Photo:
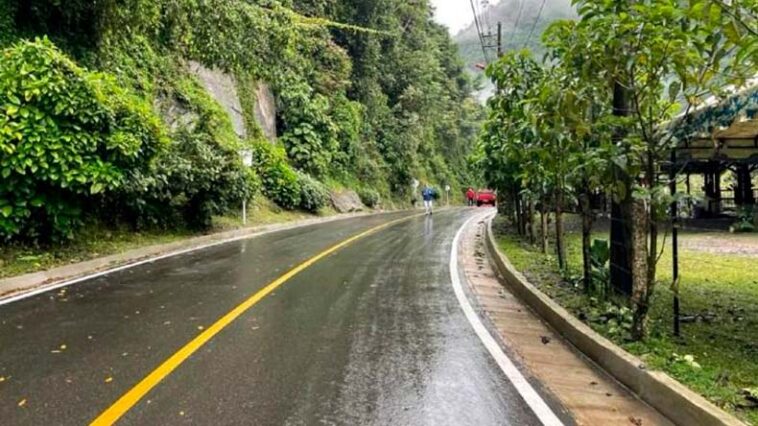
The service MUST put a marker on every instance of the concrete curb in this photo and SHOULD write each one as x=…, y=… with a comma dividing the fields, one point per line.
x=35, y=282
x=672, y=399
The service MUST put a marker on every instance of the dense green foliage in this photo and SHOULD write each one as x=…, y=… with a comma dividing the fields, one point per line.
x=369, y=197
x=67, y=134
x=280, y=181
x=409, y=110
x=313, y=194
x=369, y=92
x=552, y=136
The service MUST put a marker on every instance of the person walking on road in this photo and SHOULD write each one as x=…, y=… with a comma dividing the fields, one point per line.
x=428, y=194
x=470, y=196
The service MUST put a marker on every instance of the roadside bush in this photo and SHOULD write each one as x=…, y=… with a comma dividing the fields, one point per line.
x=66, y=135
x=279, y=181
x=313, y=194
x=309, y=134
x=195, y=180
x=369, y=197
x=199, y=176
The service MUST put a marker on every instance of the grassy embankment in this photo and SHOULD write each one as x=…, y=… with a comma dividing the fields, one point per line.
x=96, y=241
x=717, y=353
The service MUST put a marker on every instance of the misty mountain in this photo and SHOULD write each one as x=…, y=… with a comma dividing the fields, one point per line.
x=518, y=17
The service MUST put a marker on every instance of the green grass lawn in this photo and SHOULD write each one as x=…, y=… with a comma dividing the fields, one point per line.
x=719, y=294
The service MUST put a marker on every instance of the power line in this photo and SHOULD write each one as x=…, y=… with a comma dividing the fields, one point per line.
x=479, y=31
x=539, y=14
x=518, y=19
x=486, y=12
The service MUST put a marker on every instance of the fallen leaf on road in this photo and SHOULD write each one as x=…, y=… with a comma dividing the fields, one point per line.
x=635, y=421
x=545, y=340
x=22, y=402
x=2, y=379
x=108, y=379
x=63, y=347
x=200, y=327
x=181, y=413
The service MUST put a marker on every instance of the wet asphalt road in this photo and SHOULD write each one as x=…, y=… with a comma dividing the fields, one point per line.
x=371, y=334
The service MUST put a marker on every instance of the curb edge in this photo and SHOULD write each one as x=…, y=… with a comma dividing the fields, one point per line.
x=671, y=398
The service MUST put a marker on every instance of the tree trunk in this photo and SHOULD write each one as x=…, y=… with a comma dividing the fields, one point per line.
x=621, y=206
x=646, y=230
x=530, y=220
x=519, y=219
x=560, y=244
x=543, y=226
x=514, y=209
x=586, y=237
x=642, y=287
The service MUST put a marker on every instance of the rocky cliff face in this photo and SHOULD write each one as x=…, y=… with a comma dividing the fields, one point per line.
x=223, y=88
x=265, y=111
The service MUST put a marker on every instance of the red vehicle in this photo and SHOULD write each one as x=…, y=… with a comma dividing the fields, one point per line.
x=486, y=196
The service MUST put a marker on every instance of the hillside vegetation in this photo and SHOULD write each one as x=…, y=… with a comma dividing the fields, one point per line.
x=103, y=121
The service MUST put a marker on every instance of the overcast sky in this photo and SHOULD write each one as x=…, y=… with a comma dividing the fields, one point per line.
x=456, y=14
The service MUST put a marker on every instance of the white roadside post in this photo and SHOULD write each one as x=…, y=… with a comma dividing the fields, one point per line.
x=447, y=195
x=415, y=185
x=247, y=161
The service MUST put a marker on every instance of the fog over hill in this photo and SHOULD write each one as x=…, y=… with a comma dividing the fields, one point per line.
x=518, y=17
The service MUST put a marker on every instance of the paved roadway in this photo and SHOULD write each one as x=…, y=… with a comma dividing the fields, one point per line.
x=370, y=334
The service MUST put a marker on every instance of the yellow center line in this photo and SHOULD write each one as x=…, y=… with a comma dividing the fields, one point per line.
x=135, y=394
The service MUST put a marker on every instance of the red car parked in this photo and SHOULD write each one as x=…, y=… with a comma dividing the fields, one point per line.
x=486, y=196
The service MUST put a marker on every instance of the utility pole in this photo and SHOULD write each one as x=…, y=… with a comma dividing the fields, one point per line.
x=499, y=39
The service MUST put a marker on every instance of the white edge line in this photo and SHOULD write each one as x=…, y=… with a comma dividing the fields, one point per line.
x=524, y=388
x=45, y=289
x=66, y=283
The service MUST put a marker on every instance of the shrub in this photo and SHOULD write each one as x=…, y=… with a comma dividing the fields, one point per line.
x=195, y=180
x=279, y=181
x=745, y=220
x=66, y=135
x=309, y=134
x=313, y=194
x=199, y=176
x=369, y=197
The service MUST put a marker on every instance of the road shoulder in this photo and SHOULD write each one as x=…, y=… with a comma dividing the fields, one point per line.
x=588, y=393
x=26, y=285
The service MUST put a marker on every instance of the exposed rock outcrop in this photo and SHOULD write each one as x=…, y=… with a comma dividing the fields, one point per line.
x=265, y=111
x=346, y=201
x=223, y=88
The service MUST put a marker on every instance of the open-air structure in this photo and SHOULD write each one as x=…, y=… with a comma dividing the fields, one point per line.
x=718, y=138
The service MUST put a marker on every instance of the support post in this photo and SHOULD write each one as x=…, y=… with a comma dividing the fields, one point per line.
x=244, y=212
x=674, y=242
x=499, y=39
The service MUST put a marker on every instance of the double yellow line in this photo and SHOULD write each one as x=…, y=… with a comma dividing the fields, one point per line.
x=135, y=394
